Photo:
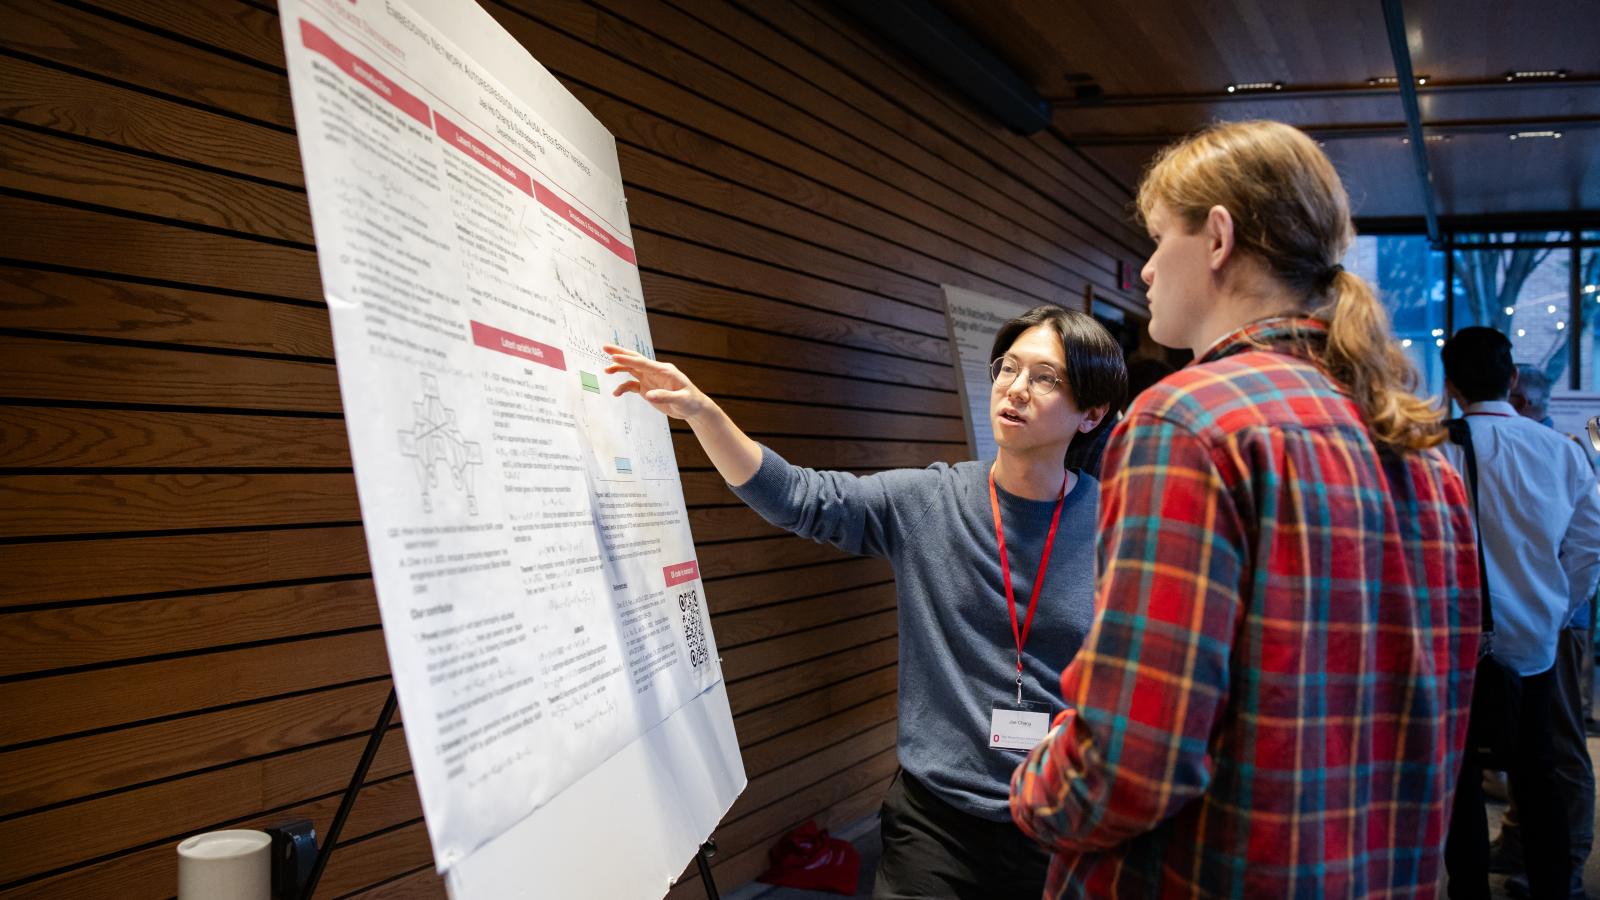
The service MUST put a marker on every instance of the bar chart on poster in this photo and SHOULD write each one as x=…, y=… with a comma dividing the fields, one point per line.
x=537, y=581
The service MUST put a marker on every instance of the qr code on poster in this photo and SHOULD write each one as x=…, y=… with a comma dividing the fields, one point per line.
x=694, y=631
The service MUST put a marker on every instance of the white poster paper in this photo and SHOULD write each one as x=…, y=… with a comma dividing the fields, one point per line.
x=536, y=577
x=1570, y=412
x=972, y=320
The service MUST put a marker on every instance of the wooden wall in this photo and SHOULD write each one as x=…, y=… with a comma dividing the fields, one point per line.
x=188, y=633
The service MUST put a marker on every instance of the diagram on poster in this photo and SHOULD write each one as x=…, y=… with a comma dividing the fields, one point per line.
x=539, y=589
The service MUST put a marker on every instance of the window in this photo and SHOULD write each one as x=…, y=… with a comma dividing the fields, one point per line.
x=1589, y=313
x=1520, y=284
x=1409, y=279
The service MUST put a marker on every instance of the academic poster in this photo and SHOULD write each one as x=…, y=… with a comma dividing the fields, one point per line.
x=538, y=586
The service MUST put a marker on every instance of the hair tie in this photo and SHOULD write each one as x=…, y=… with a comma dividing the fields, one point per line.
x=1329, y=275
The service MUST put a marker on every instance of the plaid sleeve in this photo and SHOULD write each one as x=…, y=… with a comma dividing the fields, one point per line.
x=1146, y=689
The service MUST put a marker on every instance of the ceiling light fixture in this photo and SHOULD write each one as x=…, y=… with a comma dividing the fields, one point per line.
x=1536, y=74
x=1392, y=80
x=1242, y=87
x=1526, y=135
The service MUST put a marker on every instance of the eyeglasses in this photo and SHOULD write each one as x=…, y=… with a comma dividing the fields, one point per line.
x=1042, y=379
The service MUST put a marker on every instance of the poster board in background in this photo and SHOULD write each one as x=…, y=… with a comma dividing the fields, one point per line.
x=542, y=607
x=972, y=319
x=1570, y=413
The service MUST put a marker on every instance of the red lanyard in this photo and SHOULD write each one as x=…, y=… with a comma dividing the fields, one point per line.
x=1021, y=635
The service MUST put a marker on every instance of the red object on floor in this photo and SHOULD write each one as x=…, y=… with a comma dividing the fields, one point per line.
x=807, y=858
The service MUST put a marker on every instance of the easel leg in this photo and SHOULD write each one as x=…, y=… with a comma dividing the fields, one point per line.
x=703, y=860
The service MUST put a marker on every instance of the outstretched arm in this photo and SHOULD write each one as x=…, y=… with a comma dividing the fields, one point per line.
x=664, y=387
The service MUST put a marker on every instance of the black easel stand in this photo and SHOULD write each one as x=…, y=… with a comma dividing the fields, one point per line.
x=325, y=846
x=703, y=860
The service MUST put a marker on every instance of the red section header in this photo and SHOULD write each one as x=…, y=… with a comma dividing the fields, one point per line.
x=678, y=573
x=318, y=41
x=517, y=345
x=583, y=223
x=471, y=146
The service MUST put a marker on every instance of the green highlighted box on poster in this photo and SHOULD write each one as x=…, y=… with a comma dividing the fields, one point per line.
x=591, y=381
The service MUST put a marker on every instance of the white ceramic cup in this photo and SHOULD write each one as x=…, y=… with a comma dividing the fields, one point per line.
x=225, y=865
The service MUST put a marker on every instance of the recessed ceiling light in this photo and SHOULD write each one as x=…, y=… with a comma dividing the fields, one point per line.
x=1391, y=80
x=1249, y=86
x=1522, y=332
x=1511, y=310
x=1536, y=74
x=1406, y=342
x=1526, y=135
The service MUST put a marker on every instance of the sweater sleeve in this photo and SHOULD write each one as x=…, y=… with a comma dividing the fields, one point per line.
x=857, y=514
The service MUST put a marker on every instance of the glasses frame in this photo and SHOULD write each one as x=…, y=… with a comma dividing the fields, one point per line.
x=1033, y=388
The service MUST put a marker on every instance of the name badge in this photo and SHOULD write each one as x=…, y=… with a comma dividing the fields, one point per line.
x=1018, y=726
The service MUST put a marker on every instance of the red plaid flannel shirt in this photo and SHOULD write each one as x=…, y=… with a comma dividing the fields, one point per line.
x=1273, y=699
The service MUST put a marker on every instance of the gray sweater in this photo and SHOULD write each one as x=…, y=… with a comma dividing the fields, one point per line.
x=957, y=653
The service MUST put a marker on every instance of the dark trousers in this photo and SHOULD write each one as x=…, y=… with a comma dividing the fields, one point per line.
x=1574, y=773
x=933, y=850
x=1540, y=804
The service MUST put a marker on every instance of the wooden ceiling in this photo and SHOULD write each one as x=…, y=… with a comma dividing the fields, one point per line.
x=1128, y=78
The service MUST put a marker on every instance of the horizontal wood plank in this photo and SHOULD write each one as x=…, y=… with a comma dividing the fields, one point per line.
x=59, y=505
x=68, y=636
x=67, y=704
x=70, y=103
x=83, y=40
x=121, y=567
x=73, y=170
x=817, y=703
x=61, y=437
x=84, y=239
x=60, y=771
x=64, y=303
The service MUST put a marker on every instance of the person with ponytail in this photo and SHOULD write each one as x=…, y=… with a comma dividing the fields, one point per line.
x=1272, y=700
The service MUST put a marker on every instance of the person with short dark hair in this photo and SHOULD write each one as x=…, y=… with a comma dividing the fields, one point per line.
x=1538, y=517
x=994, y=573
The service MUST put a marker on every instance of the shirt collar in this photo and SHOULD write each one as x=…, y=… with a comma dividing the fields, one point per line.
x=1491, y=408
x=1296, y=335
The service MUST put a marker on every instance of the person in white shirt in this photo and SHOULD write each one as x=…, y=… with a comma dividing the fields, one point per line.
x=1539, y=523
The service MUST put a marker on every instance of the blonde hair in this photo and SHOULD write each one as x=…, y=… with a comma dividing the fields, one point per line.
x=1291, y=213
